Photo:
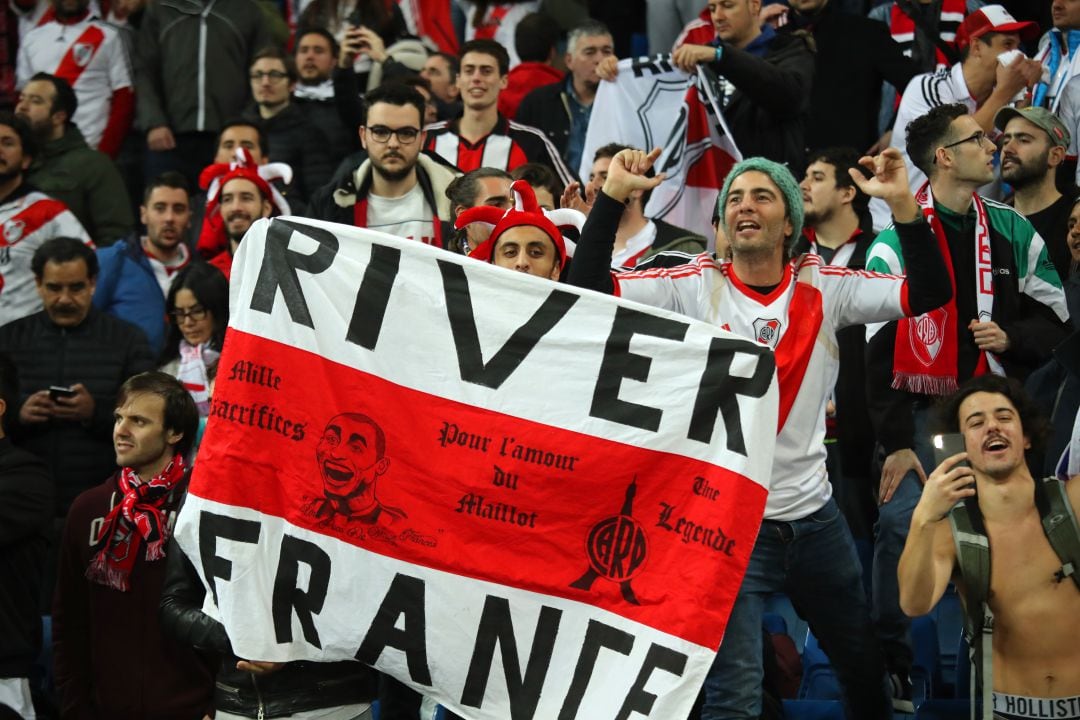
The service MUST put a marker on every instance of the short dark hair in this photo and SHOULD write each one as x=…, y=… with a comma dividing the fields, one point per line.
x=211, y=290
x=65, y=100
x=61, y=250
x=264, y=141
x=22, y=129
x=170, y=179
x=1036, y=428
x=322, y=32
x=539, y=175
x=380, y=436
x=9, y=388
x=462, y=189
x=843, y=159
x=414, y=81
x=611, y=150
x=488, y=47
x=181, y=414
x=926, y=133
x=395, y=94
x=535, y=37
x=273, y=52
x=452, y=62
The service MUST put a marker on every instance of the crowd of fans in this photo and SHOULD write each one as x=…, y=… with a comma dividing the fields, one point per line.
x=462, y=124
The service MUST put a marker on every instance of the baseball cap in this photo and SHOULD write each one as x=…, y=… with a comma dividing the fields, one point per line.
x=993, y=18
x=1041, y=117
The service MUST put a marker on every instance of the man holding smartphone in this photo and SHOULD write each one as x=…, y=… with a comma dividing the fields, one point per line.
x=1036, y=659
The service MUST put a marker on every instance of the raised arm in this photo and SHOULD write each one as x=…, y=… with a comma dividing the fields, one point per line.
x=592, y=260
x=926, y=565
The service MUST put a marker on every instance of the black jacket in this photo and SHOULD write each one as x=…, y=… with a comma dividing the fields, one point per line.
x=296, y=687
x=547, y=108
x=335, y=120
x=26, y=506
x=298, y=143
x=861, y=52
x=101, y=353
x=770, y=106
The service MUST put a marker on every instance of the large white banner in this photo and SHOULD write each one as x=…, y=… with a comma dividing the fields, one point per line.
x=523, y=499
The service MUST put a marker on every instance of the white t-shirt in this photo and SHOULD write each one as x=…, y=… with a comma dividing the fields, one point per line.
x=90, y=55
x=407, y=216
x=806, y=354
x=636, y=246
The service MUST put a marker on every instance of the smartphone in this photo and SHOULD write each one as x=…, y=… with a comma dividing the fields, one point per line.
x=946, y=445
x=58, y=391
x=356, y=17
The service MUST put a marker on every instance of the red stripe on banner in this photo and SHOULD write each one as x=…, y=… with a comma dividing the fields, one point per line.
x=79, y=55
x=658, y=538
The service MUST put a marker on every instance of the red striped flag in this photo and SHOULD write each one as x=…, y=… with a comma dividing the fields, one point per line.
x=521, y=498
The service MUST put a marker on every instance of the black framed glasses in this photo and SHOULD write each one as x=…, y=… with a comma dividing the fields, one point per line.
x=274, y=75
x=196, y=312
x=405, y=135
x=977, y=137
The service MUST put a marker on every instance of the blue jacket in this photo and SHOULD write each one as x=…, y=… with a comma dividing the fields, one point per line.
x=127, y=289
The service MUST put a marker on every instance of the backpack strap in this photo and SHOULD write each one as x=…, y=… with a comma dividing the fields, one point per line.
x=1060, y=525
x=973, y=559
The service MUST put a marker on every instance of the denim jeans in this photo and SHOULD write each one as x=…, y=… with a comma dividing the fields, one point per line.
x=890, y=534
x=812, y=561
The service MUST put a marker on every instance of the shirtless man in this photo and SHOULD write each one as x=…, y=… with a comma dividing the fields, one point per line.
x=1036, y=656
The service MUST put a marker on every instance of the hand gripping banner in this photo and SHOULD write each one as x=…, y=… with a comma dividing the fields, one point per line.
x=523, y=499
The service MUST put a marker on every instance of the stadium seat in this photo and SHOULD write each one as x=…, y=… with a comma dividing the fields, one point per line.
x=774, y=623
x=780, y=604
x=819, y=681
x=943, y=710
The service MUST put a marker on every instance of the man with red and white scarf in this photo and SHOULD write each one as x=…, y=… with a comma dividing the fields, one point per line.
x=1007, y=314
x=111, y=658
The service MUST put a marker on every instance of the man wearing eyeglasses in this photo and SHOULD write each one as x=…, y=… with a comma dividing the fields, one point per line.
x=398, y=189
x=1007, y=314
x=292, y=138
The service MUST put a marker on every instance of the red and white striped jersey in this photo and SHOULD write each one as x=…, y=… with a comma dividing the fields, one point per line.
x=90, y=55
x=507, y=146
x=798, y=320
x=26, y=221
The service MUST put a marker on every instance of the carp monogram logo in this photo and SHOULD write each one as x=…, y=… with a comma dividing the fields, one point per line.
x=81, y=53
x=617, y=547
x=766, y=331
x=927, y=333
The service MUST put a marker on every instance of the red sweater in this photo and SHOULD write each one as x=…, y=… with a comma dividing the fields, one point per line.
x=523, y=79
x=111, y=658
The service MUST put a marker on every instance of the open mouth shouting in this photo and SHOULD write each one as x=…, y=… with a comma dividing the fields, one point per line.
x=337, y=473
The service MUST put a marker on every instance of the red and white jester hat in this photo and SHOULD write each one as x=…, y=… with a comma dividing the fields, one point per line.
x=525, y=211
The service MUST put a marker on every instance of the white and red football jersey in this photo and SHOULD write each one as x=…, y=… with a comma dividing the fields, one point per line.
x=26, y=222
x=798, y=320
x=90, y=55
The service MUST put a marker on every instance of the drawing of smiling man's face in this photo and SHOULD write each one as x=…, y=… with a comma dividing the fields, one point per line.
x=350, y=455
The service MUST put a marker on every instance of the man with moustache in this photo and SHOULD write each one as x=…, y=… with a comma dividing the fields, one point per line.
x=1034, y=144
x=1007, y=314
x=27, y=219
x=111, y=658
x=398, y=189
x=71, y=345
x=243, y=199
x=135, y=273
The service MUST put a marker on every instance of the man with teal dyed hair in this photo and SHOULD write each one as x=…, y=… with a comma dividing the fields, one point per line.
x=792, y=306
x=1007, y=314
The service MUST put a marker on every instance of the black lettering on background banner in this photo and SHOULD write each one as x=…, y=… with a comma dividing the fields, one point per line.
x=288, y=597
x=280, y=264
x=213, y=526
x=405, y=598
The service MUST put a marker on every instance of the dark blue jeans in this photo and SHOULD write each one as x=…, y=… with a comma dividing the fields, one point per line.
x=812, y=561
x=890, y=535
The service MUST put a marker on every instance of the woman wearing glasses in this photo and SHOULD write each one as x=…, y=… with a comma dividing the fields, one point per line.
x=198, y=309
